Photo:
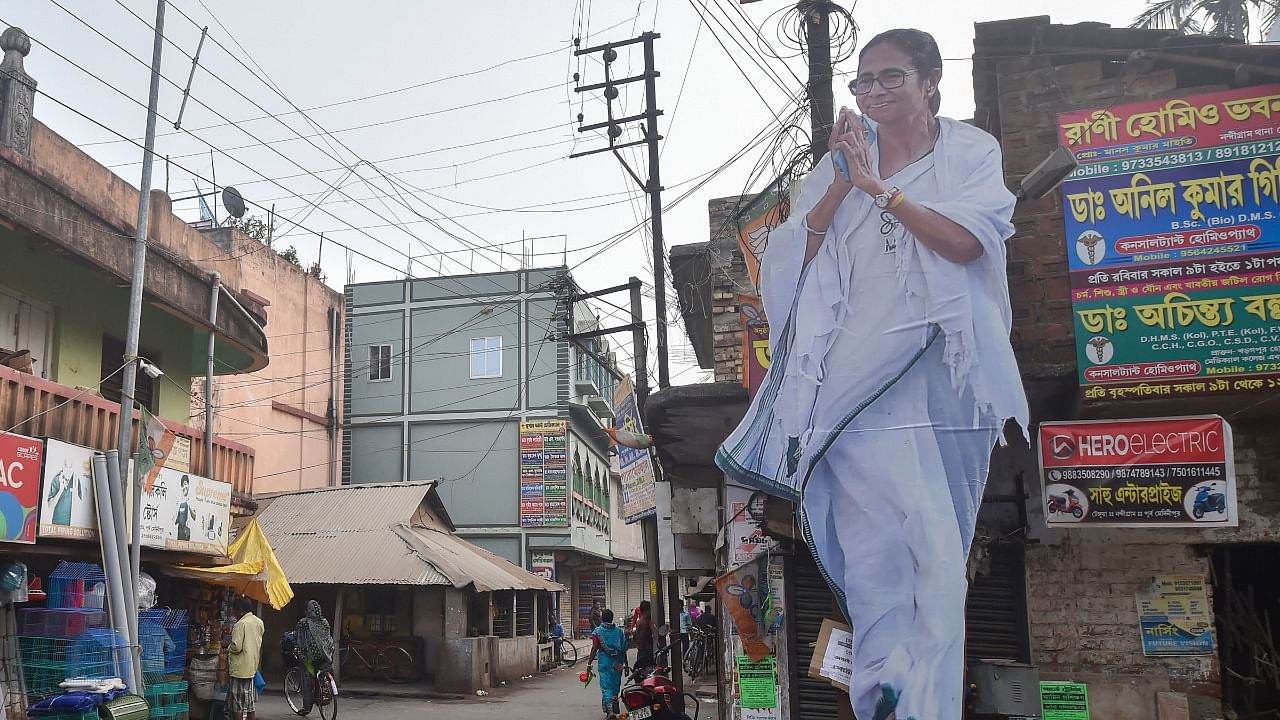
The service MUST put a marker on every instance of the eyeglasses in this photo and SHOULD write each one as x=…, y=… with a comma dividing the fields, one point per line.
x=889, y=80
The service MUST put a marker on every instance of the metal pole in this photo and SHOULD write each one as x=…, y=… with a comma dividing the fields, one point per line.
x=208, y=376
x=137, y=282
x=333, y=396
x=655, y=210
x=107, y=537
x=640, y=345
x=822, y=104
x=118, y=497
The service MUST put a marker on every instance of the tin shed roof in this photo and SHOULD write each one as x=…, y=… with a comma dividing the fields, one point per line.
x=377, y=534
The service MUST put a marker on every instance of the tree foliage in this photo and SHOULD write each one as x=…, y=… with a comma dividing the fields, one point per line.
x=1237, y=19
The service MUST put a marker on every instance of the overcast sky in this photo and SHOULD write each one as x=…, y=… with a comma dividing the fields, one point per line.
x=490, y=141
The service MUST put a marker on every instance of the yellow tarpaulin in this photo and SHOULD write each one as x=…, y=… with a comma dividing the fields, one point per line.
x=254, y=573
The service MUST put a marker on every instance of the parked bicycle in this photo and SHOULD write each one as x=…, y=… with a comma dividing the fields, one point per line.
x=700, y=653
x=566, y=652
x=386, y=661
x=303, y=691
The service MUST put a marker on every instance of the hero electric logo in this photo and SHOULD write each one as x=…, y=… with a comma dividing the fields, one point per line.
x=1062, y=447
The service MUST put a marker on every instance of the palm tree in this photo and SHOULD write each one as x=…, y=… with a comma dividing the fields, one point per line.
x=1227, y=18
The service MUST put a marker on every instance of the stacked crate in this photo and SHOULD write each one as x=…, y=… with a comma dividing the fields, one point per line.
x=70, y=637
x=163, y=633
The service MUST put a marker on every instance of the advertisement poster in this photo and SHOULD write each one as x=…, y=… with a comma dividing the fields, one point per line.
x=1173, y=236
x=544, y=473
x=639, y=495
x=186, y=513
x=746, y=534
x=20, y=462
x=1064, y=701
x=1157, y=472
x=543, y=564
x=755, y=342
x=757, y=682
x=755, y=221
x=1174, y=617
x=67, y=505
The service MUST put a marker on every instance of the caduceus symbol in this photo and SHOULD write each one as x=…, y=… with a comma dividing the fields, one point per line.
x=1099, y=344
x=1090, y=242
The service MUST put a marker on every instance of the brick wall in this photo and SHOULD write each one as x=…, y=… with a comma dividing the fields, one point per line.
x=729, y=279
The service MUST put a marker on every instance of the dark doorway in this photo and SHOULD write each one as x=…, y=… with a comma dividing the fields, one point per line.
x=1246, y=603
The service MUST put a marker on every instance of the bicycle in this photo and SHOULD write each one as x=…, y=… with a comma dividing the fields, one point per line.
x=390, y=662
x=566, y=652
x=324, y=696
x=696, y=655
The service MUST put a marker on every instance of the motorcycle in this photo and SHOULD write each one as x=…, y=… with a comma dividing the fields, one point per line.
x=1067, y=503
x=1208, y=501
x=650, y=695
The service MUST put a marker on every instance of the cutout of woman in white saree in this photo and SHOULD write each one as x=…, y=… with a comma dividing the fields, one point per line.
x=893, y=375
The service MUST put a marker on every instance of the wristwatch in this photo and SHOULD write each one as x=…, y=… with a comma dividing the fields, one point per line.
x=886, y=199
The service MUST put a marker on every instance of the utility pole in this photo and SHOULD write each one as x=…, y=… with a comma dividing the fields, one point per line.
x=133, y=329
x=653, y=188
x=821, y=102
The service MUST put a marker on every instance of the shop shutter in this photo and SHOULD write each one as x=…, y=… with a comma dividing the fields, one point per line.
x=637, y=589
x=618, y=594
x=995, y=616
x=813, y=603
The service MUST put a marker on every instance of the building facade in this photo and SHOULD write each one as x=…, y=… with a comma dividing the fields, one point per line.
x=472, y=381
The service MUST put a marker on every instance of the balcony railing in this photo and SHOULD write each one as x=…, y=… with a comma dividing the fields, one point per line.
x=86, y=419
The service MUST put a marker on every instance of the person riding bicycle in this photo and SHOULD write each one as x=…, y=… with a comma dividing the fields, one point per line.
x=315, y=648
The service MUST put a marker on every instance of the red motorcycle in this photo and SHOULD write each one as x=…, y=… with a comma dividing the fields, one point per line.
x=1067, y=503
x=650, y=694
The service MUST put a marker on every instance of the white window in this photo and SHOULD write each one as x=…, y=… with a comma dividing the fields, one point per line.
x=486, y=357
x=379, y=363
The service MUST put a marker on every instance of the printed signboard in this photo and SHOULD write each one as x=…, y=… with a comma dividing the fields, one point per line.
x=1064, y=701
x=543, y=564
x=186, y=513
x=1173, y=236
x=1174, y=616
x=20, y=463
x=67, y=505
x=639, y=494
x=755, y=342
x=1157, y=472
x=544, y=474
x=756, y=220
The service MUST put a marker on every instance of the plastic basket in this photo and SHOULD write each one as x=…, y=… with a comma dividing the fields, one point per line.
x=180, y=711
x=167, y=694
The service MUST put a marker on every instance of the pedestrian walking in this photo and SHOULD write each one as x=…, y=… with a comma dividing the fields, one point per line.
x=609, y=644
x=243, y=657
x=595, y=616
x=644, y=634
x=686, y=621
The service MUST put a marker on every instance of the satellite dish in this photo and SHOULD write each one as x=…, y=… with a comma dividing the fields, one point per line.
x=233, y=201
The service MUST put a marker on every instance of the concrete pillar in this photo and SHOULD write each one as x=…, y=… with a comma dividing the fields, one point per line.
x=17, y=92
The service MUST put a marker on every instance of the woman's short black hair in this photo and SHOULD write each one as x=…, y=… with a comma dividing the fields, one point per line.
x=920, y=47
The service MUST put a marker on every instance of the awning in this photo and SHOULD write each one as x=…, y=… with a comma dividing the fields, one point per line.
x=254, y=573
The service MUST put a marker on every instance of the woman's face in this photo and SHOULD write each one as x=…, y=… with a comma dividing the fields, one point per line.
x=887, y=62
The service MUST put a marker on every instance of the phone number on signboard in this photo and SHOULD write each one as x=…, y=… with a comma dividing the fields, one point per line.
x=1197, y=157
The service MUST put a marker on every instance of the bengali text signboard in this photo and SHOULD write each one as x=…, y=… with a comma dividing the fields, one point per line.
x=544, y=473
x=1173, y=245
x=639, y=494
x=1064, y=701
x=1157, y=472
x=1174, y=616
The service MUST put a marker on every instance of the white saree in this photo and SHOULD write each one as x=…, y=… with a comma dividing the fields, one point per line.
x=890, y=381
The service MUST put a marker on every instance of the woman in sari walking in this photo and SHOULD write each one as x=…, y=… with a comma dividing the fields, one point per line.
x=609, y=644
x=893, y=375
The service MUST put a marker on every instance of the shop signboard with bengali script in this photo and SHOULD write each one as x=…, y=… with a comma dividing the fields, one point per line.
x=1154, y=472
x=639, y=494
x=1173, y=243
x=544, y=473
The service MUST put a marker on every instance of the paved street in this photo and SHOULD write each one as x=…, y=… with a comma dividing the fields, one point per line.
x=553, y=695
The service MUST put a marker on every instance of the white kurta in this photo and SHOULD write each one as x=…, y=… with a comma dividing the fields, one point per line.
x=890, y=381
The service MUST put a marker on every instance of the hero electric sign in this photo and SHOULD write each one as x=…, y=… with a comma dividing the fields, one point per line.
x=1155, y=472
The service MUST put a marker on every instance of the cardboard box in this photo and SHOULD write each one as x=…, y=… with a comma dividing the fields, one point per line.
x=833, y=659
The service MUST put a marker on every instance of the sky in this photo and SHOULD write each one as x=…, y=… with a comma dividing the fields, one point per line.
x=464, y=115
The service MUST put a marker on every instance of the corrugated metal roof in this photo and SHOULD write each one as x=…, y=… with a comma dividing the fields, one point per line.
x=366, y=535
